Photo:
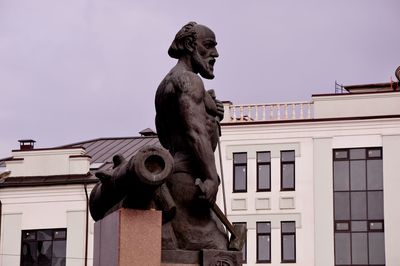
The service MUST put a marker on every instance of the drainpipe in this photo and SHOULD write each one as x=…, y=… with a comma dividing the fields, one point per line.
x=1, y=214
x=87, y=223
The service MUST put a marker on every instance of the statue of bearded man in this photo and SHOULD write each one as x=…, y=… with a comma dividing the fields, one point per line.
x=187, y=121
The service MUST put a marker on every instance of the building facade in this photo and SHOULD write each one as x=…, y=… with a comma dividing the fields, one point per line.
x=44, y=199
x=315, y=183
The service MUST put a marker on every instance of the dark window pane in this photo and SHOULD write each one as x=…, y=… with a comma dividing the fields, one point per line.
x=288, y=245
x=375, y=205
x=45, y=235
x=45, y=247
x=359, y=248
x=342, y=206
x=59, y=248
x=342, y=226
x=264, y=177
x=239, y=158
x=287, y=156
x=376, y=226
x=375, y=174
x=357, y=175
x=44, y=259
x=374, y=153
x=263, y=157
x=240, y=178
x=358, y=205
x=28, y=253
x=288, y=176
x=341, y=154
x=359, y=226
x=288, y=227
x=29, y=235
x=341, y=175
x=376, y=248
x=263, y=228
x=244, y=252
x=357, y=154
x=264, y=243
x=60, y=234
x=58, y=262
x=342, y=249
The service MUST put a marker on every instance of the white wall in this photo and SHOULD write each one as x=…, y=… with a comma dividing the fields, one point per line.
x=391, y=188
x=45, y=208
x=313, y=198
x=49, y=162
x=354, y=105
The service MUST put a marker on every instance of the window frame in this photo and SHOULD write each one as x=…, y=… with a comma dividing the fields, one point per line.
x=35, y=240
x=258, y=234
x=258, y=171
x=244, y=251
x=375, y=155
x=234, y=172
x=294, y=170
x=294, y=239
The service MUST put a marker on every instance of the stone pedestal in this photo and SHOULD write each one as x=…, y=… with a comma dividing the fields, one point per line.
x=128, y=237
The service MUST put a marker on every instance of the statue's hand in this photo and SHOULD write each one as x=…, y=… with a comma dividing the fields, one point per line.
x=209, y=190
x=219, y=104
x=220, y=109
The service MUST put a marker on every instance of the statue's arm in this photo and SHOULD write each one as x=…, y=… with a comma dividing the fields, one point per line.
x=193, y=113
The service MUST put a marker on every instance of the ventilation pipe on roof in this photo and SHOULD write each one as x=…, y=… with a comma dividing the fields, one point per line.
x=147, y=132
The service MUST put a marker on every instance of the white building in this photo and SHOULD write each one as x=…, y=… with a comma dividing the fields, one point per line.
x=315, y=183
x=44, y=199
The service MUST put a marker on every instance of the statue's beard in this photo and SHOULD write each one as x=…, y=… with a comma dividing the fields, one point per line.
x=205, y=67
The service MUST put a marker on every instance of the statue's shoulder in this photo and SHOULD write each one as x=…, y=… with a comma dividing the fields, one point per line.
x=185, y=81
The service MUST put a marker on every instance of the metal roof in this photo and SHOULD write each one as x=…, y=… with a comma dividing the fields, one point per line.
x=101, y=151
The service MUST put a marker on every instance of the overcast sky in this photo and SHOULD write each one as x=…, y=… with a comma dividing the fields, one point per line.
x=75, y=70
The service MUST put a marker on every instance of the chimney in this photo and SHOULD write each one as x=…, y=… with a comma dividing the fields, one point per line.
x=26, y=144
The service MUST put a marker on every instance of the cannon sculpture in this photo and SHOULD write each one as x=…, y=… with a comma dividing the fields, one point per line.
x=137, y=183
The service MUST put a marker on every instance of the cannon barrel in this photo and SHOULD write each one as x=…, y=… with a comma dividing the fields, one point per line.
x=131, y=184
x=152, y=165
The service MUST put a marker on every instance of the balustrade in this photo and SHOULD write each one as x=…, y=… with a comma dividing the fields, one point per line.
x=270, y=112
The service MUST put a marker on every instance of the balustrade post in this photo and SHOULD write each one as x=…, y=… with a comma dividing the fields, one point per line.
x=263, y=112
x=293, y=111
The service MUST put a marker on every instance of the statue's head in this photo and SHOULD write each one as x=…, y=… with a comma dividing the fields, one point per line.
x=199, y=42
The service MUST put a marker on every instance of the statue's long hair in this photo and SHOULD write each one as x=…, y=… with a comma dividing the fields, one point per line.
x=177, y=47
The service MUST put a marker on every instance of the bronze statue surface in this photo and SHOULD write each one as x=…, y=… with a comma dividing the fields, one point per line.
x=180, y=179
x=187, y=126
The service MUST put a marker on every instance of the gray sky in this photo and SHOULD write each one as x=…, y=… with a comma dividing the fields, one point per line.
x=75, y=70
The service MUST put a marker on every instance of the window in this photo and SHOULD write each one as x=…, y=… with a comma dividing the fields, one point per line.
x=287, y=170
x=263, y=171
x=244, y=249
x=288, y=242
x=240, y=172
x=263, y=242
x=358, y=206
x=43, y=247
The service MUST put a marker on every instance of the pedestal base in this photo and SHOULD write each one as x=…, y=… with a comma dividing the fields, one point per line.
x=128, y=237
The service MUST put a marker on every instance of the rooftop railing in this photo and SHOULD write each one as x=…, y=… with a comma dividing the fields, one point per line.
x=269, y=112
